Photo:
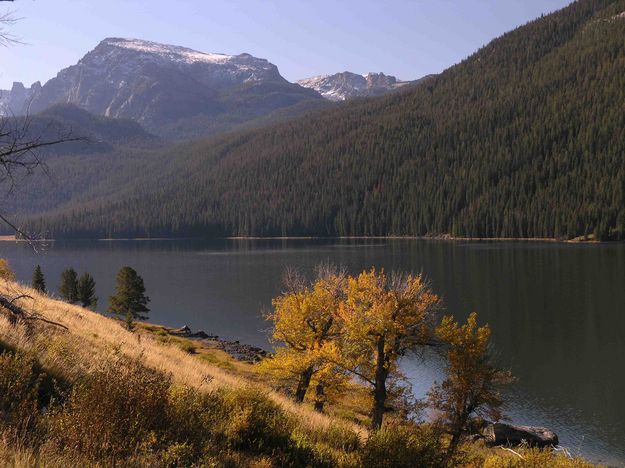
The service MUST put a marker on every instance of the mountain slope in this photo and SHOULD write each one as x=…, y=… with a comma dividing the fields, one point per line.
x=104, y=158
x=160, y=86
x=522, y=139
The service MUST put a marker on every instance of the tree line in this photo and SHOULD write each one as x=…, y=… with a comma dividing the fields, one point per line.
x=521, y=139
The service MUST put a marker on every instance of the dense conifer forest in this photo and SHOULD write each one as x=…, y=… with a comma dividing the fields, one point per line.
x=525, y=138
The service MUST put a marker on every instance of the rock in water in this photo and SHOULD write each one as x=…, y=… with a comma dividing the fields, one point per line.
x=508, y=434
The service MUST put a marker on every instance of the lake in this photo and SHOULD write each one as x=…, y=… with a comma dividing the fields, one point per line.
x=557, y=310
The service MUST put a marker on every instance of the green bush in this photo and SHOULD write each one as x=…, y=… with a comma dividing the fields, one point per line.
x=401, y=446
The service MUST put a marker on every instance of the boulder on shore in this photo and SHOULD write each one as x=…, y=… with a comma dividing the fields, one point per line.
x=509, y=434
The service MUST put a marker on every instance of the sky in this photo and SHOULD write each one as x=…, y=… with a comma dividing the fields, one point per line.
x=404, y=38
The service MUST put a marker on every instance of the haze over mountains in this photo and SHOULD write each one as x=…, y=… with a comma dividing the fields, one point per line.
x=179, y=92
x=521, y=139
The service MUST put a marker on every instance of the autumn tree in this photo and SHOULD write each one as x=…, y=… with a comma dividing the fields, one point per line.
x=69, y=285
x=38, y=281
x=470, y=388
x=304, y=320
x=85, y=290
x=129, y=299
x=383, y=318
x=6, y=273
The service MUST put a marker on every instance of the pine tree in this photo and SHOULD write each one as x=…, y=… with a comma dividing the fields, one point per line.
x=130, y=298
x=86, y=291
x=39, y=282
x=69, y=285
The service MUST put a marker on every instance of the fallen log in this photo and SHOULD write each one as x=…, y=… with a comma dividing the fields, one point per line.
x=15, y=313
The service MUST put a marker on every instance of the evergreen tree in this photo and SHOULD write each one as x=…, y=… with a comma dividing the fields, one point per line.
x=39, y=282
x=69, y=285
x=86, y=291
x=130, y=298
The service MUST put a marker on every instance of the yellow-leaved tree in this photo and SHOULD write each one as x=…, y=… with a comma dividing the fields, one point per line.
x=305, y=321
x=382, y=318
x=470, y=388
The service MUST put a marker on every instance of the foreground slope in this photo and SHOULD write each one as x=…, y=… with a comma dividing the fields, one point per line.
x=77, y=388
x=522, y=139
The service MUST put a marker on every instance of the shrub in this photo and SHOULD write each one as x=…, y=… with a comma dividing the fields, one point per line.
x=253, y=422
x=403, y=446
x=114, y=412
x=6, y=273
x=188, y=347
x=20, y=394
x=192, y=419
x=327, y=446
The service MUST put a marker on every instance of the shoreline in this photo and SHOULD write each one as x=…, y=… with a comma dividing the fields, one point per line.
x=441, y=238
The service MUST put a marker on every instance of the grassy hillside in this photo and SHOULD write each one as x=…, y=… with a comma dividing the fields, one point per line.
x=149, y=398
x=522, y=139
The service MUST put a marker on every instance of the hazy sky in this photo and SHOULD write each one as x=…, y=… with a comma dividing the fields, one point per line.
x=404, y=38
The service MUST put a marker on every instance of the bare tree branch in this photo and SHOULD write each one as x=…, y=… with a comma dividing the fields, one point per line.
x=15, y=313
x=7, y=19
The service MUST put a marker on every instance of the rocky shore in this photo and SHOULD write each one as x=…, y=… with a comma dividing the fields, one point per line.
x=239, y=351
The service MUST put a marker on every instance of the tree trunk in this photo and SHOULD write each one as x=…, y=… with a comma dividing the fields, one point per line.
x=379, y=391
x=302, y=385
x=320, y=398
x=456, y=434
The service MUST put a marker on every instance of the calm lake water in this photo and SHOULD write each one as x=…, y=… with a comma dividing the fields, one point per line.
x=557, y=311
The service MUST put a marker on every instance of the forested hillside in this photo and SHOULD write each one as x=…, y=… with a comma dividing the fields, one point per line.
x=102, y=157
x=525, y=138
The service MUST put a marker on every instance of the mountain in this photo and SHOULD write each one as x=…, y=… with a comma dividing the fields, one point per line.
x=347, y=85
x=171, y=91
x=524, y=138
x=16, y=100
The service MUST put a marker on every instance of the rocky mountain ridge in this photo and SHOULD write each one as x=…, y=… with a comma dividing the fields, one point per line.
x=177, y=91
x=347, y=85
x=160, y=85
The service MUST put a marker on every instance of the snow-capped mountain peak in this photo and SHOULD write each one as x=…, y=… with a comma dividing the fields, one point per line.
x=159, y=84
x=170, y=52
x=346, y=85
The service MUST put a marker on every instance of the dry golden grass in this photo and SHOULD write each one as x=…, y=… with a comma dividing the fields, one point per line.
x=92, y=337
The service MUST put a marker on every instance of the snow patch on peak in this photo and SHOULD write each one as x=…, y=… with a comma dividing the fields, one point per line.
x=176, y=53
x=346, y=85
